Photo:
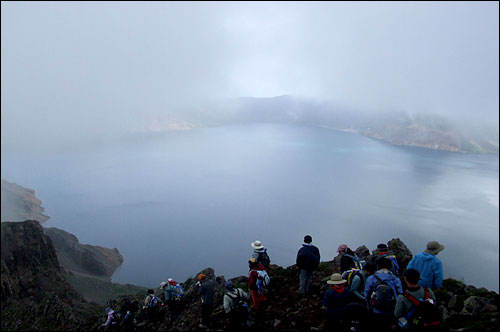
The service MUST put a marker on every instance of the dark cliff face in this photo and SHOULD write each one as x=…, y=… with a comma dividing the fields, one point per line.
x=29, y=261
x=20, y=203
x=34, y=286
x=83, y=258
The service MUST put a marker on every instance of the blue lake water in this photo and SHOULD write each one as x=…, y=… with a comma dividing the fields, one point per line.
x=176, y=203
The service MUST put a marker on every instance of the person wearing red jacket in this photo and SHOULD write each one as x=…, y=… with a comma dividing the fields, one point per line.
x=253, y=284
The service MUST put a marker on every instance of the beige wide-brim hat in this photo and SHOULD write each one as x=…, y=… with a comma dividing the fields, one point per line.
x=163, y=284
x=257, y=245
x=336, y=279
x=434, y=247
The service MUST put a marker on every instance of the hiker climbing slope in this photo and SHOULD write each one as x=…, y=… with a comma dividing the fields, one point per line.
x=381, y=291
x=235, y=306
x=257, y=271
x=207, y=292
x=260, y=254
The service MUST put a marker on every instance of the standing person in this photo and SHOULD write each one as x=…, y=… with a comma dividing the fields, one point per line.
x=414, y=295
x=260, y=254
x=358, y=282
x=172, y=301
x=383, y=251
x=235, y=306
x=429, y=266
x=307, y=260
x=254, y=284
x=381, y=291
x=207, y=291
x=347, y=258
x=335, y=299
x=152, y=305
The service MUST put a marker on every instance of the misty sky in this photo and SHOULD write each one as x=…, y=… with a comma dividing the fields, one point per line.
x=74, y=70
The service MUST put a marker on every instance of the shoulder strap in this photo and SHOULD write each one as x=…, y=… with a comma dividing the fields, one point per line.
x=412, y=298
x=427, y=295
x=378, y=278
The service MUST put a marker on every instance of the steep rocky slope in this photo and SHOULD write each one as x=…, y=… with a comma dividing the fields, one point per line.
x=35, y=293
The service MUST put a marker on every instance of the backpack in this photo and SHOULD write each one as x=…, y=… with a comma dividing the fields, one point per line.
x=424, y=313
x=263, y=277
x=178, y=292
x=350, y=274
x=358, y=262
x=240, y=304
x=154, y=302
x=382, y=297
x=264, y=259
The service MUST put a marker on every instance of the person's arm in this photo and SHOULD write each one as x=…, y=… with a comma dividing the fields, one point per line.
x=398, y=286
x=399, y=310
x=438, y=275
x=109, y=319
x=242, y=293
x=227, y=305
x=368, y=290
x=325, y=300
x=356, y=282
x=411, y=263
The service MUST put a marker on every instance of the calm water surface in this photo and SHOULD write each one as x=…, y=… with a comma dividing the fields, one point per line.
x=176, y=203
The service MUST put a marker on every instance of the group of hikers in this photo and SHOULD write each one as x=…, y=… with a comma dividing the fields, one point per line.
x=364, y=295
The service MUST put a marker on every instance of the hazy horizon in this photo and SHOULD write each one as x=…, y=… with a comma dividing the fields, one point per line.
x=78, y=71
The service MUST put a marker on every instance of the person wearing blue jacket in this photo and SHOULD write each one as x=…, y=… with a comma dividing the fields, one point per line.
x=429, y=266
x=383, y=320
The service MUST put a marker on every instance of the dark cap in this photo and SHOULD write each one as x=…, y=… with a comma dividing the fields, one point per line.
x=382, y=246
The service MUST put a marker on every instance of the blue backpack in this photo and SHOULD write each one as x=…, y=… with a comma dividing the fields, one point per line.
x=154, y=302
x=178, y=292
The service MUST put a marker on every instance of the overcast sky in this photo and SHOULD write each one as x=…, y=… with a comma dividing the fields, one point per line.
x=76, y=69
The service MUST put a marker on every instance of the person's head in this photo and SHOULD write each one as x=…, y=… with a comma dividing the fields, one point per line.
x=171, y=281
x=229, y=285
x=201, y=277
x=252, y=262
x=434, y=247
x=370, y=268
x=257, y=244
x=151, y=292
x=384, y=263
x=412, y=277
x=382, y=247
x=163, y=284
x=342, y=248
x=308, y=239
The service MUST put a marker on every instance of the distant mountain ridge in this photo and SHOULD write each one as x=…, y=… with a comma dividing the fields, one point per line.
x=429, y=131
